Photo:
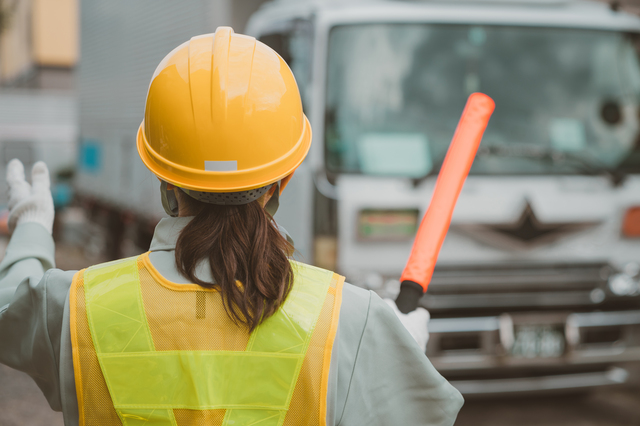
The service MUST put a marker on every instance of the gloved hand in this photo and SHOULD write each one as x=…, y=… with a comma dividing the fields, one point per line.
x=415, y=322
x=29, y=203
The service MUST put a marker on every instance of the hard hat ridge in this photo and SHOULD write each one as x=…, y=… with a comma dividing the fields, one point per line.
x=223, y=114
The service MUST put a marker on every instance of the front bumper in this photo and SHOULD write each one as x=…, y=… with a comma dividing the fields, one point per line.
x=475, y=353
x=560, y=382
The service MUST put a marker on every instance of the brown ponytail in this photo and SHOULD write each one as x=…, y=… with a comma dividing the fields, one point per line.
x=241, y=243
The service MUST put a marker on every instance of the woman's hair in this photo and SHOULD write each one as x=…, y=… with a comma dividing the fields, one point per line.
x=246, y=253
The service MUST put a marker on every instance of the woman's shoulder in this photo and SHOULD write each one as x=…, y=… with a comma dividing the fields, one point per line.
x=356, y=298
x=360, y=301
x=365, y=318
x=355, y=309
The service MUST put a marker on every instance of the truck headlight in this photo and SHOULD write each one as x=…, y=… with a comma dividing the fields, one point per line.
x=632, y=269
x=623, y=285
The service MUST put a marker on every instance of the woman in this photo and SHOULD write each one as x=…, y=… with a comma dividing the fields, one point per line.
x=215, y=324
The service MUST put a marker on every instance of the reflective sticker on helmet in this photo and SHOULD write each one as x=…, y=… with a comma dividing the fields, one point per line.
x=221, y=166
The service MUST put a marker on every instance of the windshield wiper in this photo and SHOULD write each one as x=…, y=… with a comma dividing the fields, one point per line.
x=555, y=157
x=435, y=171
x=543, y=154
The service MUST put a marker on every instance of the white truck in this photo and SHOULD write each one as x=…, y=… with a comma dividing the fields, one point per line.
x=536, y=287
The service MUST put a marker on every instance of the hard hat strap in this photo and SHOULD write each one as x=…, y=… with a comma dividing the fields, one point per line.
x=274, y=202
x=169, y=200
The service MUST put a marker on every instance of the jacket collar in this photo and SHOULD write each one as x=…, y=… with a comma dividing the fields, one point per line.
x=167, y=232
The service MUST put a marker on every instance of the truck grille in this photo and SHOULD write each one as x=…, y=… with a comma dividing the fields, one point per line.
x=492, y=290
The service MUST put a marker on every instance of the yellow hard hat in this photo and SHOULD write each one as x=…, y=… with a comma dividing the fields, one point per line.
x=223, y=114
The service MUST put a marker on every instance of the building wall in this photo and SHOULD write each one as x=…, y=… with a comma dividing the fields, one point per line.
x=39, y=45
x=38, y=53
x=55, y=32
x=15, y=46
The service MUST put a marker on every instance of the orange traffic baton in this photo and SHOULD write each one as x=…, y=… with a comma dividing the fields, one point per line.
x=435, y=224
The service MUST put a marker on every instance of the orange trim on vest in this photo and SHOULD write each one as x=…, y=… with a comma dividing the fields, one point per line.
x=77, y=373
x=146, y=262
x=331, y=337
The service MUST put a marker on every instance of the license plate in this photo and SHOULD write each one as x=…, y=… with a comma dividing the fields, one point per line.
x=387, y=225
x=538, y=341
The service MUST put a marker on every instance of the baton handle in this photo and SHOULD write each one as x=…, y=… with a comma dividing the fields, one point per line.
x=435, y=223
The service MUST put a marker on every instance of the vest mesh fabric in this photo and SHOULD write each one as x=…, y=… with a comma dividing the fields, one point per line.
x=188, y=317
x=94, y=400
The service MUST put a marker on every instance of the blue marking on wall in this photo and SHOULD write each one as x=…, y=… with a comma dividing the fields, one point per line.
x=90, y=156
x=62, y=194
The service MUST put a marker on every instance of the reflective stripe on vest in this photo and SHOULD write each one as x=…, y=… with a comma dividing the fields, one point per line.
x=255, y=386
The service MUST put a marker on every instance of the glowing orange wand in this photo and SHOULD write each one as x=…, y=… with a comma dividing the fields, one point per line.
x=435, y=224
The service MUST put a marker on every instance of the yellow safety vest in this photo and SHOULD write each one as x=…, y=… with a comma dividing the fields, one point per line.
x=147, y=351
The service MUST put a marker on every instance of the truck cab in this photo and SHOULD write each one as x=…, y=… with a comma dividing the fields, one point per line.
x=537, y=284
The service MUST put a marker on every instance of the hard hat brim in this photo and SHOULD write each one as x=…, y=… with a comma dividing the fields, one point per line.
x=227, y=181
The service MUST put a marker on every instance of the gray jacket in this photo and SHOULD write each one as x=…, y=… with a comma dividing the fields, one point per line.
x=378, y=375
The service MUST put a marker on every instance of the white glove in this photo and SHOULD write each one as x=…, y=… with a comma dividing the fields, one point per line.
x=415, y=322
x=29, y=203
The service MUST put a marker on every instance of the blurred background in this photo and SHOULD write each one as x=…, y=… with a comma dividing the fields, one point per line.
x=535, y=301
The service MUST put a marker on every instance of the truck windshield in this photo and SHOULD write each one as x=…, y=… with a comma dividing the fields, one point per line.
x=567, y=100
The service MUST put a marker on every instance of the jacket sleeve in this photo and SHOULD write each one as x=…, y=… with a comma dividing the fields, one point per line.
x=393, y=382
x=31, y=309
